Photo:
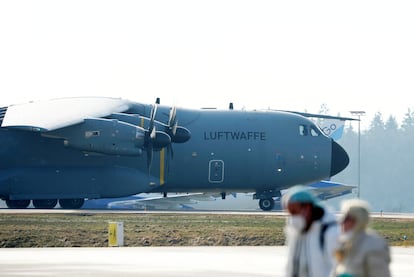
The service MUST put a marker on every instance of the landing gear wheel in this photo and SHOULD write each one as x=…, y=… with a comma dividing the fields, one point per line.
x=266, y=204
x=44, y=203
x=71, y=203
x=17, y=204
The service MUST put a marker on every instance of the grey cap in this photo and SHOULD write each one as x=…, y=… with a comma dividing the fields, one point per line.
x=357, y=209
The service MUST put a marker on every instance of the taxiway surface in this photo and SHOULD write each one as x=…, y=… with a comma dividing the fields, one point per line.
x=163, y=261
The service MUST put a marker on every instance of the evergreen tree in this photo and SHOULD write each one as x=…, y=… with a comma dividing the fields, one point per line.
x=408, y=121
x=391, y=124
x=324, y=109
x=377, y=123
x=387, y=160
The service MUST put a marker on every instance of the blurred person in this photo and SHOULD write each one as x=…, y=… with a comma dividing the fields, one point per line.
x=361, y=251
x=311, y=234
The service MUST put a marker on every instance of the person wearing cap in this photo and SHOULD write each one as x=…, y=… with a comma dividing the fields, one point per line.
x=361, y=251
x=311, y=235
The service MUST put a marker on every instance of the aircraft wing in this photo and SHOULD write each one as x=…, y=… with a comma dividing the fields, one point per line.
x=324, y=116
x=325, y=190
x=160, y=202
x=58, y=113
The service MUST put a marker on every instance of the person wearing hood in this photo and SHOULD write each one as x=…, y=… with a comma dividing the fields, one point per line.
x=361, y=251
x=311, y=235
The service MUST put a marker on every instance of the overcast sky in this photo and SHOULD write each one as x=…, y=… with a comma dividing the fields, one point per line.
x=296, y=55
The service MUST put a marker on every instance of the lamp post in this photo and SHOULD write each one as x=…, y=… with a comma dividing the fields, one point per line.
x=359, y=114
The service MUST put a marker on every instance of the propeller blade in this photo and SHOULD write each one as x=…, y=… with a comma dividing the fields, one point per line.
x=149, y=157
x=170, y=156
x=150, y=138
x=153, y=133
x=152, y=118
x=167, y=160
x=172, y=116
x=172, y=121
x=174, y=128
x=171, y=152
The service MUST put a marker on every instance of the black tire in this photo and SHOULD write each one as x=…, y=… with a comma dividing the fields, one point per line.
x=266, y=204
x=44, y=203
x=71, y=203
x=17, y=204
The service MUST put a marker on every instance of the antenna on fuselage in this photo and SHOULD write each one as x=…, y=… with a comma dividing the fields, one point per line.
x=231, y=106
x=158, y=100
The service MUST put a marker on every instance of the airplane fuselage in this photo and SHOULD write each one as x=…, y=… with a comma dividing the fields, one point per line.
x=228, y=151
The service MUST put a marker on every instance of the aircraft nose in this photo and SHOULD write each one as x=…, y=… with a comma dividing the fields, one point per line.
x=339, y=160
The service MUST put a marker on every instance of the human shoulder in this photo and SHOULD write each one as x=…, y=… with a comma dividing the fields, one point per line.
x=376, y=254
x=372, y=241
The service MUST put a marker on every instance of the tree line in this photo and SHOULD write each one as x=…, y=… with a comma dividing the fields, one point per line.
x=387, y=161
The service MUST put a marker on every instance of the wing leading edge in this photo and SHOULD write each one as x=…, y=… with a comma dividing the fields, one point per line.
x=54, y=114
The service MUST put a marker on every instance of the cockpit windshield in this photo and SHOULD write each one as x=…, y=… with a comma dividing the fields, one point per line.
x=309, y=130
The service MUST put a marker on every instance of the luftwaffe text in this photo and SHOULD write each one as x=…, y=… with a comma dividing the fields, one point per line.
x=234, y=135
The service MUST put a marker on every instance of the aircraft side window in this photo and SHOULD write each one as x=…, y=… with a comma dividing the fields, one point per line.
x=303, y=130
x=89, y=134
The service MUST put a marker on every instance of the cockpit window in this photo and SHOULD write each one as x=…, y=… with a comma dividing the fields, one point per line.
x=314, y=131
x=305, y=130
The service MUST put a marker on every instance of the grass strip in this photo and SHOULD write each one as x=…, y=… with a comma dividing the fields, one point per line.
x=91, y=230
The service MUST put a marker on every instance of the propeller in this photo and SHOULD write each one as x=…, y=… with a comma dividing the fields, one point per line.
x=172, y=130
x=149, y=138
x=154, y=139
x=172, y=121
x=177, y=133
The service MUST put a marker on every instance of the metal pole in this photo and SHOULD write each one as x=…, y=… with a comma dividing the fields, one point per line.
x=359, y=155
x=359, y=113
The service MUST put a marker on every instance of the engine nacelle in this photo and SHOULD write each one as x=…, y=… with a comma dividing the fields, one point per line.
x=106, y=136
x=180, y=135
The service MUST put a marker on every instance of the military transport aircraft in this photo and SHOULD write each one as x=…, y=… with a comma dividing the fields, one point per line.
x=324, y=190
x=71, y=149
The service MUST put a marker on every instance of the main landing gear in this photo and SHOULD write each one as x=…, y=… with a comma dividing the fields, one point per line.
x=46, y=203
x=266, y=204
x=17, y=204
x=71, y=203
x=266, y=201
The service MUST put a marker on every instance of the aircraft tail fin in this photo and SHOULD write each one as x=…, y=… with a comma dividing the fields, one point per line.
x=2, y=114
x=333, y=128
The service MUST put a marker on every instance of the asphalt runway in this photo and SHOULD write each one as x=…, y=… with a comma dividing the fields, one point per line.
x=163, y=261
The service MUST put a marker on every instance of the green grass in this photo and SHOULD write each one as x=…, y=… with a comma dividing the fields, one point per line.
x=91, y=230
x=394, y=230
